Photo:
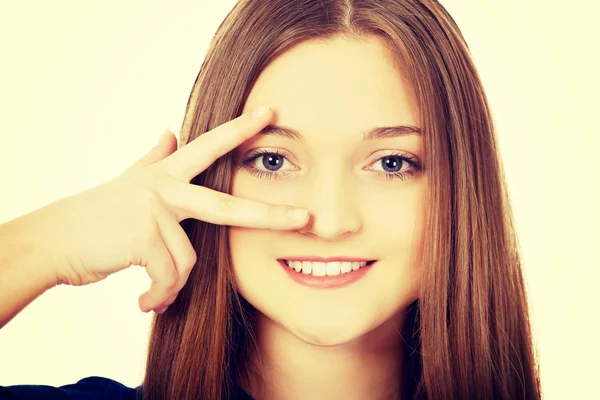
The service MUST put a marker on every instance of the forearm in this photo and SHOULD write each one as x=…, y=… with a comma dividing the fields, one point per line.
x=23, y=277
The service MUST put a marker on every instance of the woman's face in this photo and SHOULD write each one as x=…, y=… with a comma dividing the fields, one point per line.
x=365, y=198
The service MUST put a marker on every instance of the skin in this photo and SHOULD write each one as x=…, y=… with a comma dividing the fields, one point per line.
x=332, y=343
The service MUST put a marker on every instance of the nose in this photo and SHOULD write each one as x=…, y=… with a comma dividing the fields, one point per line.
x=333, y=208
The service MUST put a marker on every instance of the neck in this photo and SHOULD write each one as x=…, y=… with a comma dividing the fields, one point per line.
x=287, y=367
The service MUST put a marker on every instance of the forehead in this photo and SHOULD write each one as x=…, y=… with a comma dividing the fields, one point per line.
x=341, y=84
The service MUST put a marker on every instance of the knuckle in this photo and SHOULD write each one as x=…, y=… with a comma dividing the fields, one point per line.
x=226, y=202
x=151, y=179
x=171, y=277
x=214, y=152
x=171, y=298
x=171, y=284
x=148, y=201
x=149, y=196
x=143, y=179
x=167, y=288
x=191, y=261
x=273, y=211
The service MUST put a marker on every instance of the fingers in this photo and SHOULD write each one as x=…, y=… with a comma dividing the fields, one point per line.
x=181, y=250
x=162, y=271
x=168, y=278
x=198, y=202
x=193, y=158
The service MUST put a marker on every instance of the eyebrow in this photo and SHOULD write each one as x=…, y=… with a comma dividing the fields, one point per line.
x=373, y=134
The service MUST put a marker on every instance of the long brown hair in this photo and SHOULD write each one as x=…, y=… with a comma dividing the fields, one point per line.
x=469, y=332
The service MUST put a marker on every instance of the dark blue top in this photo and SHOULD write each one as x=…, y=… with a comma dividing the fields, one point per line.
x=91, y=388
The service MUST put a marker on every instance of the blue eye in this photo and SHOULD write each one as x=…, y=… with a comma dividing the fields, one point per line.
x=272, y=161
x=394, y=166
x=393, y=163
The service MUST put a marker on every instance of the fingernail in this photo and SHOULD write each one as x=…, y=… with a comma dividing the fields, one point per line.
x=166, y=133
x=260, y=112
x=162, y=137
x=298, y=215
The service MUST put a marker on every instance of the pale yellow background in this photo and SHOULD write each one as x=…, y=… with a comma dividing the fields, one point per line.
x=87, y=87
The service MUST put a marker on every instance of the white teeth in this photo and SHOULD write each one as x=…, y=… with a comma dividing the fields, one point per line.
x=306, y=267
x=316, y=268
x=346, y=267
x=296, y=265
x=333, y=268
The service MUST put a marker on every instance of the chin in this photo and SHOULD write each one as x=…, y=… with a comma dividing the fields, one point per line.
x=324, y=339
x=327, y=332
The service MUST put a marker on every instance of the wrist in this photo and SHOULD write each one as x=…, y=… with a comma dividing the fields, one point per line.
x=22, y=252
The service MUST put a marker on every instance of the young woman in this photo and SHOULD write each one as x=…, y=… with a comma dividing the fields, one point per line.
x=403, y=282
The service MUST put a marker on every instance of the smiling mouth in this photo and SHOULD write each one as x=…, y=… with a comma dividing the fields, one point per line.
x=326, y=269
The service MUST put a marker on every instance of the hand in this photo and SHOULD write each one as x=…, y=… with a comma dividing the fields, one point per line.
x=134, y=219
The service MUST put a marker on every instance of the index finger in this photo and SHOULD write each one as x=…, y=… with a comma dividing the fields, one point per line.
x=200, y=153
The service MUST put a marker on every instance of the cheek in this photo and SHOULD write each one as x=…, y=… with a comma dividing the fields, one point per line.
x=245, y=185
x=251, y=258
x=399, y=220
x=398, y=216
x=246, y=244
x=252, y=254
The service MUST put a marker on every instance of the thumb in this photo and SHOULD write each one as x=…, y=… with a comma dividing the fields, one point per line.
x=167, y=144
x=164, y=146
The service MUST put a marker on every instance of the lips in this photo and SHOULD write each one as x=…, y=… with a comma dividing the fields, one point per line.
x=318, y=275
x=287, y=262
x=326, y=259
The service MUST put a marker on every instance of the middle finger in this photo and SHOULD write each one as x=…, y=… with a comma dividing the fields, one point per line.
x=200, y=153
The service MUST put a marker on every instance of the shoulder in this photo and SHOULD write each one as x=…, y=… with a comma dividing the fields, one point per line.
x=90, y=388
